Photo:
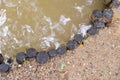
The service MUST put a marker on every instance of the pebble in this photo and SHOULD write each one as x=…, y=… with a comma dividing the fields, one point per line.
x=108, y=14
x=52, y=52
x=19, y=65
x=61, y=50
x=115, y=3
x=4, y=67
x=93, y=31
x=71, y=45
x=78, y=38
x=1, y=59
x=20, y=57
x=42, y=57
x=99, y=24
x=9, y=60
x=97, y=13
x=31, y=52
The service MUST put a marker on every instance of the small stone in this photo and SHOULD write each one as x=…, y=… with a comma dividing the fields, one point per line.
x=19, y=65
x=61, y=50
x=71, y=45
x=30, y=66
x=99, y=24
x=115, y=3
x=52, y=52
x=9, y=60
x=1, y=59
x=20, y=57
x=42, y=57
x=93, y=31
x=31, y=52
x=4, y=67
x=97, y=13
x=78, y=38
x=108, y=14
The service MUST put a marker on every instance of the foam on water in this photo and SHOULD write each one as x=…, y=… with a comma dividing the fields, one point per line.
x=89, y=1
x=42, y=24
x=2, y=16
x=79, y=9
x=64, y=20
x=83, y=29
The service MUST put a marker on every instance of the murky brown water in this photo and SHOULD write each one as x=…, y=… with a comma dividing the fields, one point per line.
x=41, y=23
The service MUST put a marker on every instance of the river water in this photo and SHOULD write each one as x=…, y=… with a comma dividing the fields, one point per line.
x=42, y=24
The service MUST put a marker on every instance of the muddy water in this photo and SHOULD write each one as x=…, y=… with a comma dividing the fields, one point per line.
x=41, y=24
